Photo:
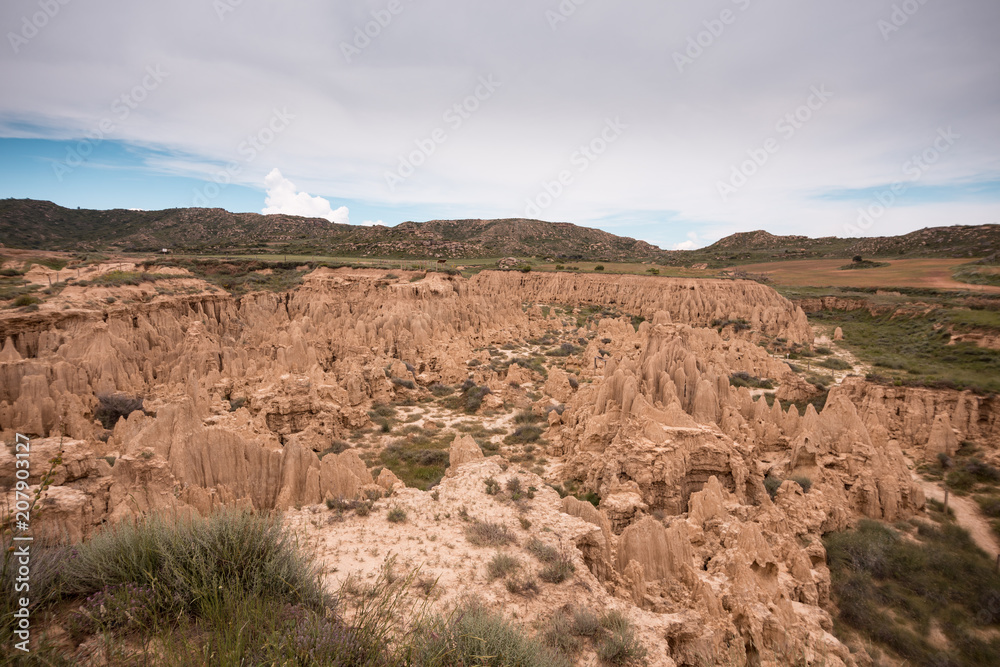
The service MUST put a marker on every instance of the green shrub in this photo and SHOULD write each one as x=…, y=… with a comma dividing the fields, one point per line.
x=804, y=482
x=886, y=586
x=599, y=267
x=742, y=379
x=585, y=622
x=441, y=390
x=336, y=447
x=524, y=434
x=402, y=382
x=502, y=565
x=492, y=486
x=620, y=645
x=473, y=635
x=559, y=635
x=488, y=534
x=26, y=300
x=545, y=553
x=513, y=485
x=557, y=571
x=112, y=407
x=396, y=515
x=836, y=364
x=772, y=484
x=194, y=565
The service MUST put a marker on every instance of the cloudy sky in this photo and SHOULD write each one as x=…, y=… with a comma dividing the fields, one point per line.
x=677, y=122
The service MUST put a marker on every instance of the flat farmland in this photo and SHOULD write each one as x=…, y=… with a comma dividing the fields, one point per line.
x=930, y=273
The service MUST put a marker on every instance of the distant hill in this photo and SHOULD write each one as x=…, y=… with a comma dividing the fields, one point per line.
x=760, y=246
x=42, y=225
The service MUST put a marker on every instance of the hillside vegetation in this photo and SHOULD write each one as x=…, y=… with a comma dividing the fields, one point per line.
x=42, y=225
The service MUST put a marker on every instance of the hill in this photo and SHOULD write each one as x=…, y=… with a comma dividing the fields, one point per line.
x=42, y=225
x=760, y=246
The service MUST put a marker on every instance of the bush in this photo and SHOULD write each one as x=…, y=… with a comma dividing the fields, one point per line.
x=336, y=447
x=545, y=553
x=772, y=484
x=402, y=382
x=492, y=486
x=396, y=515
x=473, y=635
x=26, y=300
x=559, y=634
x=195, y=566
x=524, y=434
x=599, y=267
x=804, y=482
x=125, y=607
x=514, y=485
x=836, y=364
x=488, y=534
x=620, y=646
x=557, y=571
x=585, y=622
x=884, y=584
x=441, y=390
x=742, y=379
x=502, y=565
x=111, y=407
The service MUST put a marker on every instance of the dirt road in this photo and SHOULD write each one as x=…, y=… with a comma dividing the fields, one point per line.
x=967, y=514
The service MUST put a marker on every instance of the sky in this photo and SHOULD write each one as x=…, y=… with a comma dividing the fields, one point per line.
x=676, y=122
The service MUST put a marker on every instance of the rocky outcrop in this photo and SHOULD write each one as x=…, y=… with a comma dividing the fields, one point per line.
x=697, y=302
x=908, y=414
x=463, y=450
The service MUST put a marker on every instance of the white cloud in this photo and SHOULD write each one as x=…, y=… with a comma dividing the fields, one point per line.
x=690, y=244
x=372, y=223
x=283, y=198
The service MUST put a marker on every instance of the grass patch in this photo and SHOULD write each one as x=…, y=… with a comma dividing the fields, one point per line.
x=524, y=435
x=502, y=565
x=911, y=351
x=889, y=590
x=545, y=553
x=473, y=635
x=557, y=571
x=742, y=379
x=835, y=363
x=420, y=458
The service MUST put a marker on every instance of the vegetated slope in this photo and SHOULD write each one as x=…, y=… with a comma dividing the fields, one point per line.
x=760, y=246
x=26, y=223
x=42, y=225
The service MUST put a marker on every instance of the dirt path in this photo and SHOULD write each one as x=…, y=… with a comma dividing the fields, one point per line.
x=967, y=514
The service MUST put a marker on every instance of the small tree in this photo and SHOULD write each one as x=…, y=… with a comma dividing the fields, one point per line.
x=858, y=259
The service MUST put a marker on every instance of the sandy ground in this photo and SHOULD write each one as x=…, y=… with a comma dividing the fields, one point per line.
x=934, y=273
